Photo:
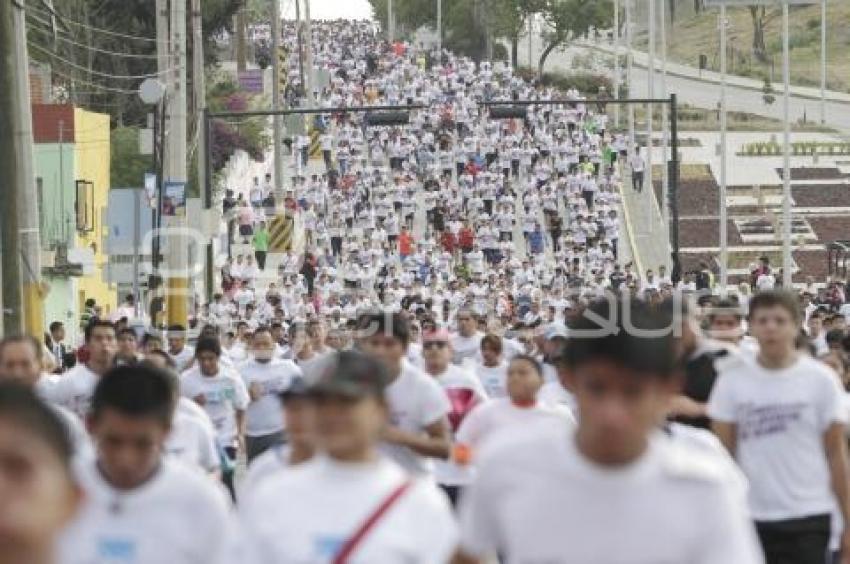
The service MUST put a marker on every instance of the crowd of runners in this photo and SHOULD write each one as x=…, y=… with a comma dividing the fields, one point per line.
x=459, y=366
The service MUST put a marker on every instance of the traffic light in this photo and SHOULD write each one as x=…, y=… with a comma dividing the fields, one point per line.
x=375, y=119
x=508, y=112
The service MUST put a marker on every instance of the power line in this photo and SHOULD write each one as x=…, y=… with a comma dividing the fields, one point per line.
x=93, y=84
x=87, y=47
x=98, y=73
x=101, y=30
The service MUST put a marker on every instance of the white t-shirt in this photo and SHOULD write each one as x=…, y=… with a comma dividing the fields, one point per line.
x=269, y=463
x=224, y=394
x=308, y=512
x=415, y=401
x=192, y=442
x=263, y=416
x=499, y=416
x=554, y=393
x=766, y=281
x=464, y=392
x=184, y=357
x=465, y=347
x=568, y=509
x=494, y=379
x=74, y=390
x=780, y=418
x=188, y=407
x=178, y=516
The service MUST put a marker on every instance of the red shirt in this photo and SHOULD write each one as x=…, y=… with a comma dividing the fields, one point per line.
x=405, y=243
x=448, y=241
x=465, y=238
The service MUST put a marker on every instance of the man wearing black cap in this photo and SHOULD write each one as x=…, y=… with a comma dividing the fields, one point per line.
x=351, y=501
x=299, y=420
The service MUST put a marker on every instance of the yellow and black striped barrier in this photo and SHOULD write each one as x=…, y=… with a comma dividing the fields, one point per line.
x=281, y=229
x=315, y=145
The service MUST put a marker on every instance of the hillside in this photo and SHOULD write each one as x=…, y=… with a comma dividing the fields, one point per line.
x=692, y=35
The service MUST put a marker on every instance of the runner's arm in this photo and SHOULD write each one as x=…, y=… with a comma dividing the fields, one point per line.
x=726, y=432
x=435, y=443
x=240, y=428
x=835, y=446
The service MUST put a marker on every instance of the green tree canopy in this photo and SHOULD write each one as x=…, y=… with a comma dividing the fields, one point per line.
x=567, y=19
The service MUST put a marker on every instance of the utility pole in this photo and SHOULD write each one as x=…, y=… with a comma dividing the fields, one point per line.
x=629, y=67
x=160, y=115
x=29, y=237
x=12, y=119
x=299, y=35
x=178, y=289
x=162, y=54
x=390, y=20
x=823, y=61
x=440, y=30
x=241, y=48
x=198, y=84
x=616, y=93
x=199, y=104
x=724, y=244
x=786, y=155
x=277, y=120
x=665, y=136
x=649, y=115
x=308, y=47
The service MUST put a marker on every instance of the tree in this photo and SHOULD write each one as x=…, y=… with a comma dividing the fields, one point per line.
x=85, y=45
x=761, y=17
x=510, y=18
x=570, y=18
x=757, y=14
x=412, y=14
x=128, y=167
x=249, y=135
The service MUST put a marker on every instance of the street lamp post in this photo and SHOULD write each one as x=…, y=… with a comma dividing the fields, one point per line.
x=823, y=61
x=649, y=116
x=440, y=30
x=152, y=92
x=724, y=244
x=665, y=180
x=616, y=92
x=786, y=158
x=629, y=68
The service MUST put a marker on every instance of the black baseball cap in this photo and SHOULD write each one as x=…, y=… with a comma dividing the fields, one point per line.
x=297, y=389
x=352, y=375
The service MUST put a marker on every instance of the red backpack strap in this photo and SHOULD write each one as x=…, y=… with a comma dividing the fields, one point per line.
x=363, y=530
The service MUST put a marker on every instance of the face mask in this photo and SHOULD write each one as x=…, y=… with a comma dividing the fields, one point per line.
x=263, y=355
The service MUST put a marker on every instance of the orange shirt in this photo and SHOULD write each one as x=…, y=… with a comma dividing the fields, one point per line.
x=405, y=243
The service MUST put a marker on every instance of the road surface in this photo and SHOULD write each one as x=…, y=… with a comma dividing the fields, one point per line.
x=706, y=94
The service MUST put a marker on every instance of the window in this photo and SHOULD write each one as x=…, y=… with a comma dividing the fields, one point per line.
x=39, y=194
x=84, y=206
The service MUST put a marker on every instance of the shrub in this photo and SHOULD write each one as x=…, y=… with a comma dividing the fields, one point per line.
x=587, y=83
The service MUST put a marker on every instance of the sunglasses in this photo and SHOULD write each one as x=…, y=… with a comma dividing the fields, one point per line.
x=434, y=345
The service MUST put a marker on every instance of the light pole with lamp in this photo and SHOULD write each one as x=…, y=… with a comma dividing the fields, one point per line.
x=153, y=93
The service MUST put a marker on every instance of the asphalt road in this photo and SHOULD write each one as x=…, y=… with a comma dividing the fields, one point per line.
x=707, y=94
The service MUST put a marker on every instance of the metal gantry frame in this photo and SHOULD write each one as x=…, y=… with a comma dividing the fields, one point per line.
x=673, y=164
